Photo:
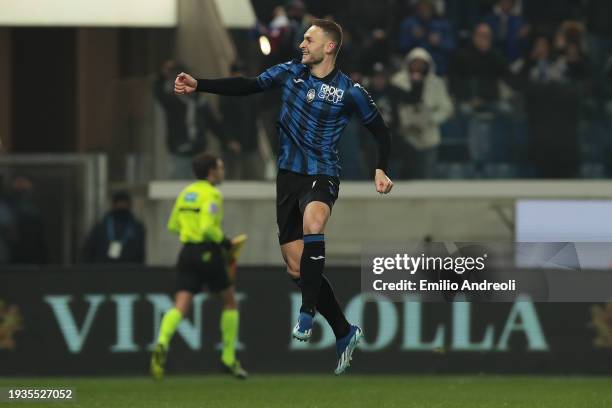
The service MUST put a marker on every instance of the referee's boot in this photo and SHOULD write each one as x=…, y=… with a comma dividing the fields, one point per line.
x=158, y=362
x=345, y=347
x=236, y=370
x=303, y=329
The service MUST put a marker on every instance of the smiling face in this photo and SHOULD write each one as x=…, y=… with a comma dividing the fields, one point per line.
x=316, y=45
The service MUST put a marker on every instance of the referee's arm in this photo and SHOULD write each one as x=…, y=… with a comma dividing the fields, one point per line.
x=382, y=135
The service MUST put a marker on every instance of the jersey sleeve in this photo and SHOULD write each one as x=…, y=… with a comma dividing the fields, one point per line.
x=275, y=76
x=211, y=211
x=363, y=104
x=173, y=221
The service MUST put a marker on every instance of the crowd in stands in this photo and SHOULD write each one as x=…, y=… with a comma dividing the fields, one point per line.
x=470, y=89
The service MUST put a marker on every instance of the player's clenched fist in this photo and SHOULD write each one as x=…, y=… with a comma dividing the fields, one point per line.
x=184, y=84
x=382, y=182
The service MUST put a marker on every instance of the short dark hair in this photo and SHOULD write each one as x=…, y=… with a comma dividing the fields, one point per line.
x=122, y=196
x=332, y=29
x=203, y=163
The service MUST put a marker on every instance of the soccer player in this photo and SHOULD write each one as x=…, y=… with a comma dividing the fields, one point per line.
x=197, y=217
x=318, y=101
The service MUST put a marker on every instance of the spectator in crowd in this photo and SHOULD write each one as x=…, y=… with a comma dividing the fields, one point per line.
x=375, y=49
x=570, y=44
x=509, y=29
x=387, y=97
x=552, y=107
x=119, y=237
x=187, y=121
x=425, y=105
x=240, y=138
x=476, y=71
x=427, y=30
x=540, y=66
x=28, y=245
x=577, y=63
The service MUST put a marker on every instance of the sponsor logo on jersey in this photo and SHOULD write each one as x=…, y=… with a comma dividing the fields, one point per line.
x=310, y=95
x=191, y=197
x=330, y=93
x=297, y=80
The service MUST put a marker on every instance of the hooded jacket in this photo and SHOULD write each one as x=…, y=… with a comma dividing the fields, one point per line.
x=419, y=122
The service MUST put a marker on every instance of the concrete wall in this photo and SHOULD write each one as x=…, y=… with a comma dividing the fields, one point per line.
x=447, y=211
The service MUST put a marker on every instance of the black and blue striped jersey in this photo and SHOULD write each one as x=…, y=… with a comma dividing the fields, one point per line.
x=313, y=115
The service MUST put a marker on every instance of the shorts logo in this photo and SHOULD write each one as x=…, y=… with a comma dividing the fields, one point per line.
x=310, y=95
x=330, y=94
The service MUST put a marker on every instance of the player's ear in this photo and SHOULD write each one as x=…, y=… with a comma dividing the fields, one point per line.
x=331, y=47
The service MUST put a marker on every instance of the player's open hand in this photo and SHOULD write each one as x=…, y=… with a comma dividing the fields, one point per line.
x=382, y=182
x=184, y=84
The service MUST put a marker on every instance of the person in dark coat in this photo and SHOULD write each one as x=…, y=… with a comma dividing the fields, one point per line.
x=119, y=237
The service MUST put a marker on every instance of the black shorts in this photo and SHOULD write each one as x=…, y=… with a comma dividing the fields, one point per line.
x=293, y=193
x=200, y=264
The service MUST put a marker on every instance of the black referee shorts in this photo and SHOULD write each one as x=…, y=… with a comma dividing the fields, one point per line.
x=199, y=265
x=293, y=193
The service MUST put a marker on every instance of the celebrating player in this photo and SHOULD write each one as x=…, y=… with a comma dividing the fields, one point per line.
x=318, y=101
x=197, y=217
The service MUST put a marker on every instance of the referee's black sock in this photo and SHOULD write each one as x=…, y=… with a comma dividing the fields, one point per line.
x=311, y=271
x=330, y=309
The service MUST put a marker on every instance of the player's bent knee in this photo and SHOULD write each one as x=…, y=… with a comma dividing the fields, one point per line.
x=314, y=227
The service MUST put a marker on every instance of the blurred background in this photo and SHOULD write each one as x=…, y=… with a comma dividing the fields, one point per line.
x=506, y=136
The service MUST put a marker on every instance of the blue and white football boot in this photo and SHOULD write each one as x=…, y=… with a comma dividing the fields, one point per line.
x=345, y=347
x=303, y=329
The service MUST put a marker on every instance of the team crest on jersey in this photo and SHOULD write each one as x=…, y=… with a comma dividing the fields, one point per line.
x=330, y=93
x=310, y=95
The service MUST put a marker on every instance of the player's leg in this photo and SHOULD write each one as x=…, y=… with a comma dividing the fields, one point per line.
x=172, y=318
x=188, y=282
x=230, y=322
x=327, y=304
x=312, y=260
x=215, y=273
x=170, y=322
x=317, y=204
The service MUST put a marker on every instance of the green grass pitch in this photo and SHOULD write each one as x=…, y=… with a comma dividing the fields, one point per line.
x=318, y=391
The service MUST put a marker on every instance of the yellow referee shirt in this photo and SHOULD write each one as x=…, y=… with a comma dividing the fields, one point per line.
x=198, y=213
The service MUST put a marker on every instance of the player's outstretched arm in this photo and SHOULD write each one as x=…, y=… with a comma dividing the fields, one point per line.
x=184, y=84
x=235, y=86
x=382, y=134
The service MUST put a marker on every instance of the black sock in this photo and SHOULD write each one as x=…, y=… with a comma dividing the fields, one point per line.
x=311, y=270
x=330, y=309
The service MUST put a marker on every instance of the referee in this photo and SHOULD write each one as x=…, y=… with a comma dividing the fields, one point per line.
x=317, y=103
x=197, y=217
